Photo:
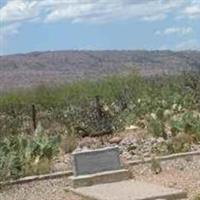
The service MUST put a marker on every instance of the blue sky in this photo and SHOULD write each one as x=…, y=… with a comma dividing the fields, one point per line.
x=41, y=25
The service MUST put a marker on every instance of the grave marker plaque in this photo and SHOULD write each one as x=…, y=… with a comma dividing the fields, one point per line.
x=96, y=161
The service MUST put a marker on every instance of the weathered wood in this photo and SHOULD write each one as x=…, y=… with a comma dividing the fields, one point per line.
x=34, y=117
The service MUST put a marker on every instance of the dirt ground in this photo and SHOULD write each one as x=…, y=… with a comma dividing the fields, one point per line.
x=39, y=190
x=180, y=173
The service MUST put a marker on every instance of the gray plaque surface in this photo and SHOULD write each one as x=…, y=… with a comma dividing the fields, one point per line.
x=94, y=161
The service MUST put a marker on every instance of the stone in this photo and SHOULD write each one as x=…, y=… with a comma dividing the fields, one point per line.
x=115, y=140
x=173, y=184
x=95, y=161
x=58, y=166
x=132, y=127
x=90, y=143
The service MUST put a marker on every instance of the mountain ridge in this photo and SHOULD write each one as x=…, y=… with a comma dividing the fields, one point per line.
x=52, y=67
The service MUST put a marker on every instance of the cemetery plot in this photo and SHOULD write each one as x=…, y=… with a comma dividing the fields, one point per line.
x=97, y=166
x=98, y=175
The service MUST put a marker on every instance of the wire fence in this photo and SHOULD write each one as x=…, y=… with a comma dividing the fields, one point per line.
x=96, y=107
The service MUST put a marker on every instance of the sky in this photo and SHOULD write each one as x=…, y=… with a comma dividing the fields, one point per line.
x=47, y=25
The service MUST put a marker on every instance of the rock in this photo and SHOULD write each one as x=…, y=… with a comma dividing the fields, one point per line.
x=126, y=156
x=147, y=154
x=172, y=184
x=155, y=166
x=132, y=127
x=132, y=153
x=88, y=142
x=189, y=159
x=115, y=140
x=160, y=140
x=57, y=167
x=132, y=147
x=129, y=141
x=180, y=167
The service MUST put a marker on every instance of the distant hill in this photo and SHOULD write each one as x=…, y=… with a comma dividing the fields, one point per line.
x=26, y=70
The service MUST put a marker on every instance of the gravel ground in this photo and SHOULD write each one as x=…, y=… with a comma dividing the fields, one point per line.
x=180, y=173
x=39, y=190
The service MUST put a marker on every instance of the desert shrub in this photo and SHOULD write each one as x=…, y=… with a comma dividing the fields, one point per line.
x=155, y=126
x=191, y=124
x=74, y=108
x=197, y=197
x=176, y=127
x=76, y=111
x=180, y=143
x=23, y=155
x=188, y=122
x=68, y=143
x=123, y=100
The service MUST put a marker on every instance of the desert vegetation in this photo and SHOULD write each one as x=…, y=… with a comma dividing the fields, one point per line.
x=164, y=106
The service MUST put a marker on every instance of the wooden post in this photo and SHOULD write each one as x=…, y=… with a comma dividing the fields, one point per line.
x=98, y=109
x=34, y=117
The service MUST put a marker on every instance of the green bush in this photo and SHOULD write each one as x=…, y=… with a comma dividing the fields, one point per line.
x=179, y=143
x=23, y=155
x=188, y=122
x=155, y=127
x=197, y=197
x=191, y=124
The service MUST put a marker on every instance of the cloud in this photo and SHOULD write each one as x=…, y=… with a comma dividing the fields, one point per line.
x=154, y=17
x=7, y=31
x=18, y=10
x=148, y=10
x=79, y=11
x=192, y=44
x=175, y=30
x=96, y=10
x=192, y=11
x=14, y=13
x=87, y=10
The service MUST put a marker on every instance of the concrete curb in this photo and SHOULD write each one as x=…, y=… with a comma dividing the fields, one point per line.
x=99, y=178
x=164, y=158
x=36, y=178
x=72, y=190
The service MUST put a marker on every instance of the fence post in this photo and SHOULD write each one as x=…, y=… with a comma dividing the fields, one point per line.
x=34, y=117
x=98, y=108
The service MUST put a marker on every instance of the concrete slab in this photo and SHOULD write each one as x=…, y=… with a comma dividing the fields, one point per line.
x=129, y=190
x=99, y=178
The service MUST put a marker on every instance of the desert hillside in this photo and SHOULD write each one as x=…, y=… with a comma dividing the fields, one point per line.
x=25, y=70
